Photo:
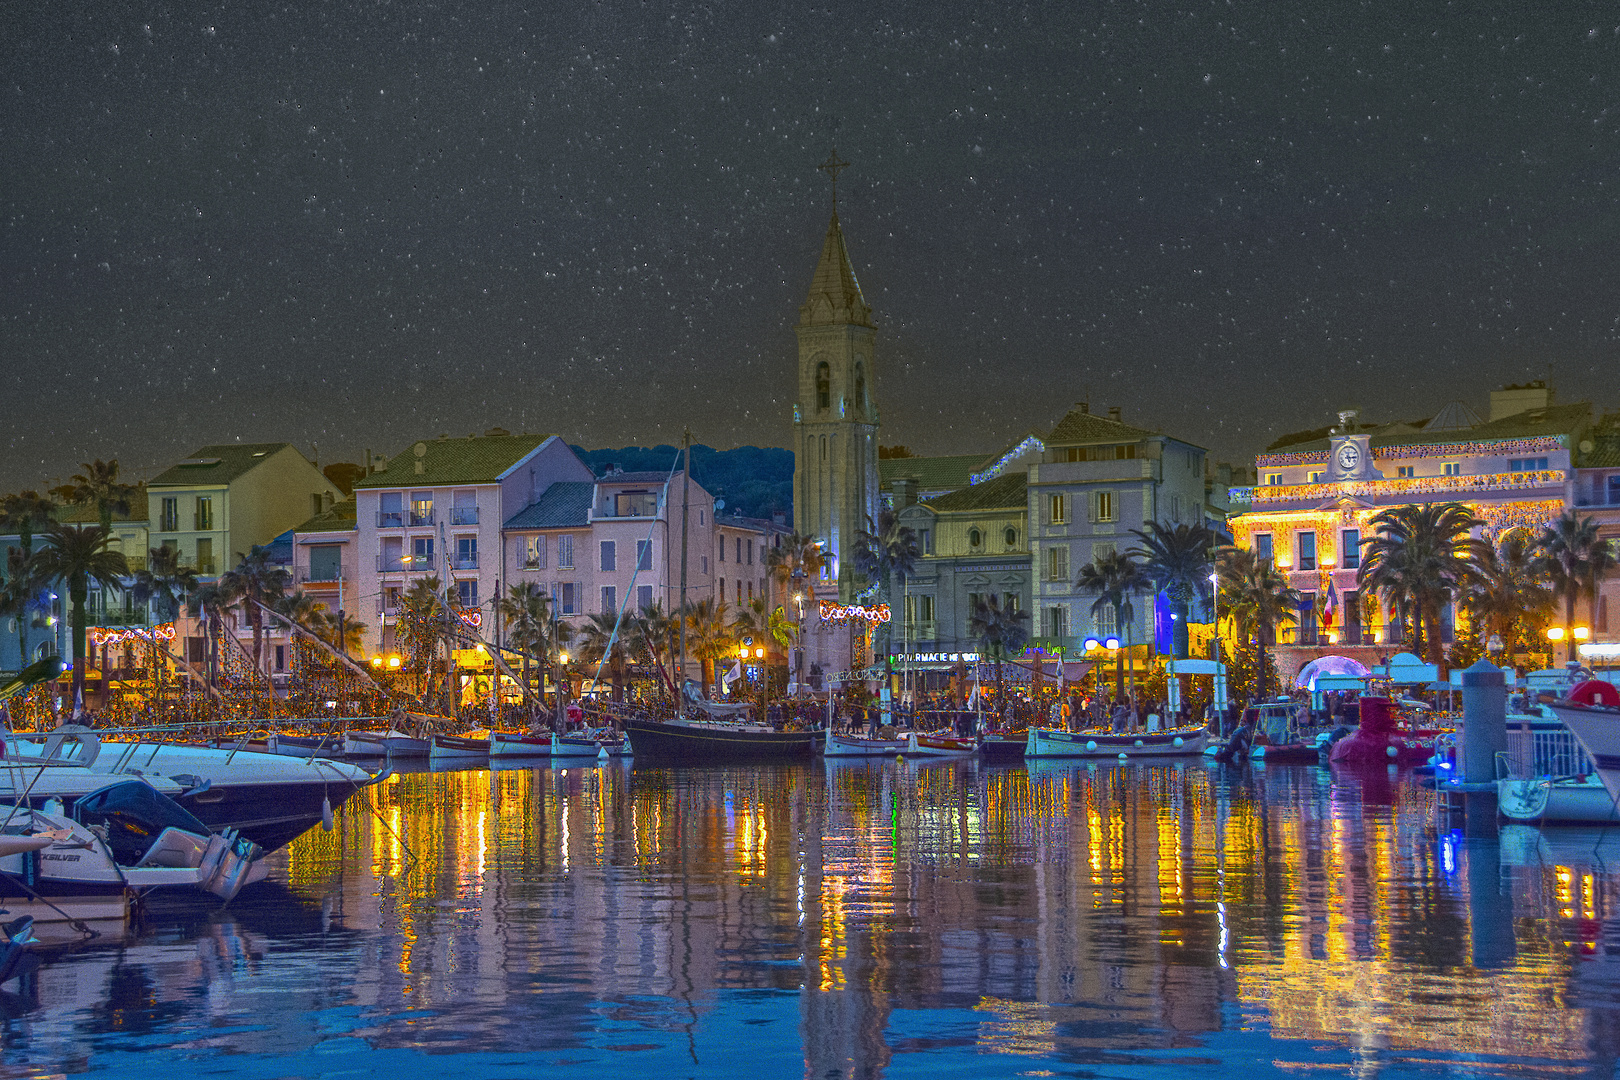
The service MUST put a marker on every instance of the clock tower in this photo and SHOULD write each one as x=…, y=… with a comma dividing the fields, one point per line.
x=835, y=480
x=1350, y=458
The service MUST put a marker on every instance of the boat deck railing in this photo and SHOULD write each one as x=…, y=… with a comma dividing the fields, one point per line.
x=1542, y=753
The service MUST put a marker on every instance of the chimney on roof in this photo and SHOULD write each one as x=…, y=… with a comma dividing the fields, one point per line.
x=1511, y=400
x=1113, y=413
x=905, y=492
x=496, y=432
x=1083, y=406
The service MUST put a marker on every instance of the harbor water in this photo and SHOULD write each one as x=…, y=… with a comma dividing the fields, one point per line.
x=882, y=919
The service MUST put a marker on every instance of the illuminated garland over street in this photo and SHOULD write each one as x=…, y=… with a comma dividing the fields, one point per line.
x=838, y=613
x=113, y=636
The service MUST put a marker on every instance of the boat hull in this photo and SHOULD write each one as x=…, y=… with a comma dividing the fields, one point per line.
x=1286, y=754
x=843, y=746
x=456, y=748
x=940, y=746
x=999, y=749
x=1053, y=743
x=655, y=743
x=1598, y=731
x=510, y=744
x=1566, y=801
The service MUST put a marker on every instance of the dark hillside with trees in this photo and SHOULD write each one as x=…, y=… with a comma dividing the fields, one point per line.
x=754, y=481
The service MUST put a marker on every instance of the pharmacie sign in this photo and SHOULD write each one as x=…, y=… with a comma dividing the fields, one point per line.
x=897, y=659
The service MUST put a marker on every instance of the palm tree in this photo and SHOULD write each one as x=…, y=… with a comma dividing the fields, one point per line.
x=207, y=603
x=526, y=611
x=766, y=626
x=1177, y=560
x=256, y=581
x=1113, y=579
x=79, y=555
x=1571, y=557
x=27, y=514
x=98, y=486
x=1509, y=590
x=1257, y=598
x=1000, y=631
x=19, y=596
x=656, y=635
x=164, y=581
x=708, y=637
x=1419, y=559
x=600, y=644
x=889, y=553
x=346, y=635
x=800, y=558
x=302, y=610
x=421, y=628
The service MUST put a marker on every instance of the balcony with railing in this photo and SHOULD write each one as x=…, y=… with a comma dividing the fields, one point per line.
x=306, y=575
x=464, y=515
x=627, y=504
x=390, y=519
x=1402, y=489
x=464, y=561
x=397, y=564
x=419, y=517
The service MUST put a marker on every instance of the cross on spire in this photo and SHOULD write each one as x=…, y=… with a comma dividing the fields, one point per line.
x=832, y=167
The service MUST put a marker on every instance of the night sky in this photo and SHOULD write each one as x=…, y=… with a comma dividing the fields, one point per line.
x=356, y=224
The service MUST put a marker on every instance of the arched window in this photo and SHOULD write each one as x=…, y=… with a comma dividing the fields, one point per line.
x=860, y=386
x=975, y=538
x=1011, y=537
x=823, y=387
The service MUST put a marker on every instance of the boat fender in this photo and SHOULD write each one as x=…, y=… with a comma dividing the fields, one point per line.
x=1178, y=741
x=1138, y=742
x=1122, y=755
x=899, y=757
x=326, y=814
x=1091, y=744
x=1392, y=751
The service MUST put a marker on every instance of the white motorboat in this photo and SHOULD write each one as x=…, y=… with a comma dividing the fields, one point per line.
x=124, y=836
x=849, y=746
x=1597, y=727
x=1057, y=743
x=268, y=798
x=1565, y=800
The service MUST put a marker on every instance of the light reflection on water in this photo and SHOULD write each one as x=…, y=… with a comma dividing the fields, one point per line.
x=866, y=920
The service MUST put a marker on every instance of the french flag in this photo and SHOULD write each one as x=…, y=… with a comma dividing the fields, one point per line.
x=1332, y=605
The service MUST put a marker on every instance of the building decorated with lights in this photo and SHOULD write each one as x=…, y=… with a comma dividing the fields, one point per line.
x=1318, y=492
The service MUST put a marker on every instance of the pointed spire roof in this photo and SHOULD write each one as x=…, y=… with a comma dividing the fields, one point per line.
x=835, y=293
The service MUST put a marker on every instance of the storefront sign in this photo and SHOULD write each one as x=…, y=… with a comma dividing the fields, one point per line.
x=935, y=658
x=838, y=613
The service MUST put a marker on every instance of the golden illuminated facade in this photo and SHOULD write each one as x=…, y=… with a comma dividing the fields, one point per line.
x=1315, y=500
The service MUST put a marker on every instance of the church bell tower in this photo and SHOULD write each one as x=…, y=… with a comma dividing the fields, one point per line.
x=835, y=479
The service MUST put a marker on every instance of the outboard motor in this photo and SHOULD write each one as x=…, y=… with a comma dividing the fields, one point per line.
x=228, y=863
x=15, y=956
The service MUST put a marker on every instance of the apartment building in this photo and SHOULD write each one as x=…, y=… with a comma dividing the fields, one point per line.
x=223, y=500
x=436, y=510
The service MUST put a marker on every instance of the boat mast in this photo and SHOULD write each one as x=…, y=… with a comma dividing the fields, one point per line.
x=686, y=491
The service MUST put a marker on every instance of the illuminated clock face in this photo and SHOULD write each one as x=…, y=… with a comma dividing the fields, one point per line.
x=1349, y=457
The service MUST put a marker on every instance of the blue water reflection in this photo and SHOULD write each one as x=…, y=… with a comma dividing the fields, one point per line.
x=871, y=919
